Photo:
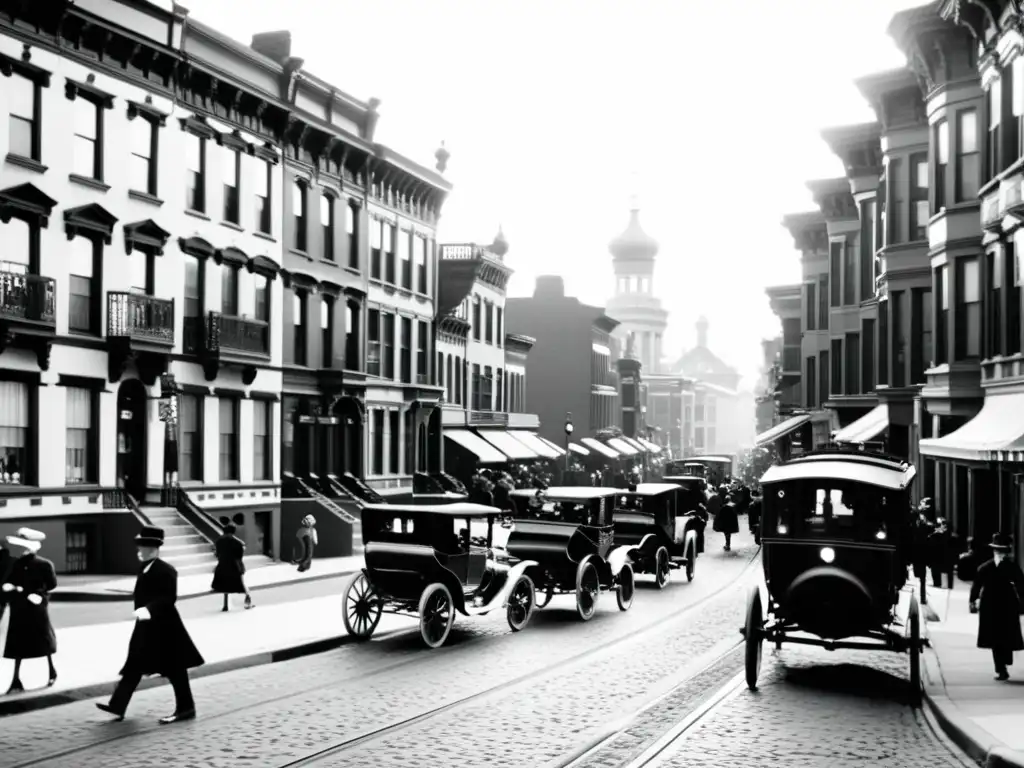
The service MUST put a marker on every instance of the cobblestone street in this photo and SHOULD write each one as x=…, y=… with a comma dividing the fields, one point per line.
x=531, y=699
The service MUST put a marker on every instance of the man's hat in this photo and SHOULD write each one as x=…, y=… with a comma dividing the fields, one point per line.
x=27, y=538
x=150, y=536
x=1000, y=542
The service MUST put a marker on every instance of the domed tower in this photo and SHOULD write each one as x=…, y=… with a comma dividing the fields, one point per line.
x=634, y=303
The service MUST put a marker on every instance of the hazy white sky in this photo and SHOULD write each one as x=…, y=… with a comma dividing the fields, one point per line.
x=554, y=110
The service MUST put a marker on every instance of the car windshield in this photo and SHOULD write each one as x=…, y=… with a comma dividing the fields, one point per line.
x=830, y=509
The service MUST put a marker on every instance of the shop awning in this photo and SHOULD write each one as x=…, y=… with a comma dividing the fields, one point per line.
x=635, y=443
x=485, y=453
x=649, y=445
x=599, y=447
x=554, y=446
x=995, y=434
x=534, y=443
x=507, y=444
x=577, y=448
x=781, y=430
x=622, y=446
x=866, y=428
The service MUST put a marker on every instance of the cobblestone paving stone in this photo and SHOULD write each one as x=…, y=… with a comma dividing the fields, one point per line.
x=269, y=715
x=844, y=709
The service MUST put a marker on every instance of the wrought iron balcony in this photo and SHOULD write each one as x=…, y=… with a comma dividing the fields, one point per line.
x=217, y=334
x=140, y=318
x=25, y=299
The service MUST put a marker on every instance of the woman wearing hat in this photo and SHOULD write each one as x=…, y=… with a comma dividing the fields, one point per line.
x=996, y=595
x=228, y=575
x=30, y=634
x=160, y=644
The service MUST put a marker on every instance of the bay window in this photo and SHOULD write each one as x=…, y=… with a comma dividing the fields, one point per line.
x=968, y=168
x=941, y=163
x=919, y=197
x=968, y=306
x=995, y=113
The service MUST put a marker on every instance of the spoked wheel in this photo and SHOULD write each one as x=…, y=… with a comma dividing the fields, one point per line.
x=588, y=587
x=914, y=625
x=361, y=607
x=661, y=568
x=626, y=587
x=520, y=603
x=546, y=596
x=755, y=636
x=691, y=562
x=437, y=614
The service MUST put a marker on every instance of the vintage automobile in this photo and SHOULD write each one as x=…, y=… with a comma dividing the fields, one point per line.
x=431, y=561
x=695, y=493
x=652, y=518
x=836, y=536
x=568, y=533
x=717, y=468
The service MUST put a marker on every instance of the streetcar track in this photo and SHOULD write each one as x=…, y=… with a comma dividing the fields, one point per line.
x=373, y=734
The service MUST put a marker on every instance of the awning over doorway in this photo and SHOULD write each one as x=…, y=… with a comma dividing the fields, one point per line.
x=781, y=430
x=622, y=446
x=485, y=453
x=649, y=445
x=599, y=447
x=995, y=434
x=866, y=428
x=554, y=446
x=577, y=448
x=534, y=443
x=504, y=442
x=631, y=441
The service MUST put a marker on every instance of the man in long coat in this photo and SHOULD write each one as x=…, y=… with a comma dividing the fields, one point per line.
x=28, y=583
x=160, y=644
x=996, y=595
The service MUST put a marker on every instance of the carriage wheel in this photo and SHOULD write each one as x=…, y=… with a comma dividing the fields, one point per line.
x=361, y=608
x=437, y=614
x=546, y=596
x=914, y=623
x=626, y=587
x=661, y=568
x=691, y=562
x=755, y=638
x=520, y=603
x=588, y=587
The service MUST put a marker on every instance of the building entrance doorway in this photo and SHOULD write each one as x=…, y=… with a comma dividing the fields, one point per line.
x=131, y=437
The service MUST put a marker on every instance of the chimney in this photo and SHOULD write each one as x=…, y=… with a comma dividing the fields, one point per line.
x=702, y=332
x=549, y=287
x=274, y=45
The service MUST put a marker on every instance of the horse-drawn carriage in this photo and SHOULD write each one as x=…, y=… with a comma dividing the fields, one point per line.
x=567, y=533
x=836, y=545
x=428, y=561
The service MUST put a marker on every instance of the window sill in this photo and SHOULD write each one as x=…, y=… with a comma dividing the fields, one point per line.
x=26, y=162
x=232, y=225
x=353, y=270
x=329, y=262
x=196, y=214
x=85, y=181
x=265, y=236
x=297, y=252
x=145, y=197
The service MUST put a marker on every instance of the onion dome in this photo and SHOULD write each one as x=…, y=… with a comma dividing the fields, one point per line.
x=500, y=244
x=634, y=243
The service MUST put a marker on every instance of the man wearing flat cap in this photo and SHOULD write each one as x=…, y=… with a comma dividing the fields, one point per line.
x=31, y=578
x=997, y=595
x=160, y=644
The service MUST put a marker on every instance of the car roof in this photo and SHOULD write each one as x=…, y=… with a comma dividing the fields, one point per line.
x=458, y=509
x=699, y=459
x=568, y=492
x=649, y=489
x=878, y=472
x=687, y=478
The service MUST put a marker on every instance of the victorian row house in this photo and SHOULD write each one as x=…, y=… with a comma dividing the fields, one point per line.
x=911, y=332
x=211, y=275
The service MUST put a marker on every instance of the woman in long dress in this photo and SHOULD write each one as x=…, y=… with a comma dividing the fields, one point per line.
x=30, y=634
x=306, y=544
x=228, y=576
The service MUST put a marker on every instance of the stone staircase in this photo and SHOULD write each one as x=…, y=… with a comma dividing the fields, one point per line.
x=185, y=548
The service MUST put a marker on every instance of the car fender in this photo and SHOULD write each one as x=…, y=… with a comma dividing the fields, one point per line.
x=690, y=544
x=619, y=556
x=513, y=576
x=648, y=546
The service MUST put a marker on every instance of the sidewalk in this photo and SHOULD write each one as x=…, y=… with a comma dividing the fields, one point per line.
x=89, y=658
x=984, y=717
x=89, y=589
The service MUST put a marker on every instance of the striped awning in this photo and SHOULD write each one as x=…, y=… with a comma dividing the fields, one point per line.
x=781, y=430
x=866, y=428
x=598, y=447
x=622, y=446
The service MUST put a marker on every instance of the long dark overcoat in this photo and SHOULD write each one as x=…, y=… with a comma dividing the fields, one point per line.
x=30, y=634
x=1000, y=589
x=726, y=520
x=160, y=645
x=227, y=576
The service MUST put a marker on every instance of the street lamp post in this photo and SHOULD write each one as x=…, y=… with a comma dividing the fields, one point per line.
x=568, y=433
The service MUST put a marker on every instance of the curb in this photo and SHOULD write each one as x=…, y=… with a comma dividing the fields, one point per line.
x=979, y=745
x=95, y=690
x=83, y=596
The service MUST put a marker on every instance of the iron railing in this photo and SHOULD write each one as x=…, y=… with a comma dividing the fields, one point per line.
x=140, y=317
x=31, y=298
